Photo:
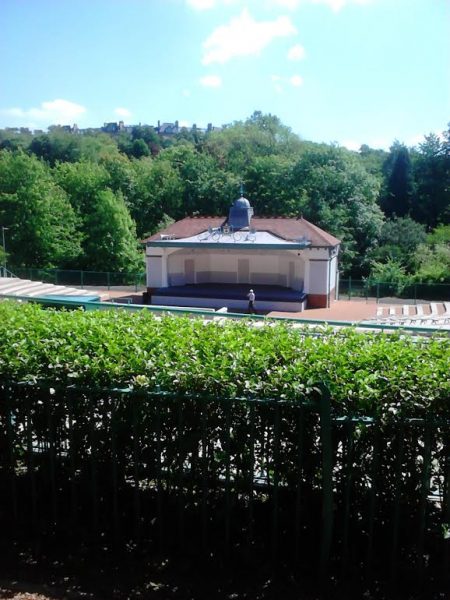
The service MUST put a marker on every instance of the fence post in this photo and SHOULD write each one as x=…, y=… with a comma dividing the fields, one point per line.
x=349, y=287
x=425, y=489
x=81, y=279
x=108, y=279
x=415, y=294
x=327, y=482
x=378, y=292
x=446, y=507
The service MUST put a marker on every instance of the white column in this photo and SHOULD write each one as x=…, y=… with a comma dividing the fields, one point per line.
x=164, y=272
x=306, y=278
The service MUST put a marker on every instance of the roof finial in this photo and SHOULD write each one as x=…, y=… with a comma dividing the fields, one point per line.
x=242, y=189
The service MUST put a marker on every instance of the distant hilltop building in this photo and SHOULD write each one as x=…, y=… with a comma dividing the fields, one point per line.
x=114, y=128
x=174, y=128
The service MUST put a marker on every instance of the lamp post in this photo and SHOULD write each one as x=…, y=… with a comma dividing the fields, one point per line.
x=4, y=244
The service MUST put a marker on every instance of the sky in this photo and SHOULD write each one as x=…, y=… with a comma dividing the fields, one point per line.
x=346, y=71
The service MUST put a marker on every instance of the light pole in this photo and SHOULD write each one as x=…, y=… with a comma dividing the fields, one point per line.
x=4, y=244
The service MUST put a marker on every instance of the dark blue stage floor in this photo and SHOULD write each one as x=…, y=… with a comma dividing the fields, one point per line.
x=232, y=291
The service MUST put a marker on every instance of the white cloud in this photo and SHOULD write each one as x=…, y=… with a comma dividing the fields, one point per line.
x=213, y=81
x=296, y=80
x=243, y=36
x=122, y=112
x=54, y=112
x=279, y=82
x=297, y=52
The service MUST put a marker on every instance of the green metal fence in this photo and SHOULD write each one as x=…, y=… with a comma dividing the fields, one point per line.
x=348, y=288
x=362, y=288
x=82, y=279
x=296, y=483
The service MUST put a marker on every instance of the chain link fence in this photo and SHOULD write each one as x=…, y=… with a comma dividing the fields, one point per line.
x=367, y=288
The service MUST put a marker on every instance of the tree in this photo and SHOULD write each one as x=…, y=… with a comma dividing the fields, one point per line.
x=109, y=233
x=399, y=190
x=58, y=145
x=157, y=193
x=392, y=272
x=433, y=257
x=43, y=227
x=82, y=181
x=139, y=148
x=205, y=187
x=334, y=191
x=260, y=135
x=13, y=140
x=433, y=263
x=432, y=179
x=267, y=181
x=373, y=159
x=399, y=240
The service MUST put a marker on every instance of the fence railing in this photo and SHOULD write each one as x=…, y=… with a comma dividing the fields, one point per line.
x=82, y=279
x=4, y=272
x=361, y=288
x=293, y=482
x=348, y=288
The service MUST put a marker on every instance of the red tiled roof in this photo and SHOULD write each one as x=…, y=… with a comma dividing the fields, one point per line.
x=283, y=227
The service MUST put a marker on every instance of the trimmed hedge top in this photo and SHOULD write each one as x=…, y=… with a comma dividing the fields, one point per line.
x=366, y=373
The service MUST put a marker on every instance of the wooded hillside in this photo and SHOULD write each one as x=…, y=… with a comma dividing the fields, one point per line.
x=85, y=200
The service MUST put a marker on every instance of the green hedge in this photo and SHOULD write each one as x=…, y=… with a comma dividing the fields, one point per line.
x=369, y=374
x=201, y=470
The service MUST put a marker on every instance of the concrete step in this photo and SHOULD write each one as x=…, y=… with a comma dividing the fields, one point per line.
x=20, y=288
x=434, y=308
x=77, y=292
x=47, y=288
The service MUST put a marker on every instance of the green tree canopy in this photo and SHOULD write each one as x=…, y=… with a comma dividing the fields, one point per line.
x=399, y=185
x=103, y=216
x=110, y=243
x=399, y=240
x=335, y=192
x=432, y=177
x=43, y=227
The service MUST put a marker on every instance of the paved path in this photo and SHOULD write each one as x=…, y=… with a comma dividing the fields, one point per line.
x=340, y=310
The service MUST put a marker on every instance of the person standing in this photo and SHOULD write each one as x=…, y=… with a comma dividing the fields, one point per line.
x=251, y=300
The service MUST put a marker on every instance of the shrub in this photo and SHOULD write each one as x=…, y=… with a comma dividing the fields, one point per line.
x=366, y=373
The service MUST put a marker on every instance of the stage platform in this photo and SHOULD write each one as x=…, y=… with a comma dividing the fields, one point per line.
x=232, y=296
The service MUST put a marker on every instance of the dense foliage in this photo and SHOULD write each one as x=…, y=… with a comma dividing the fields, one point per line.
x=84, y=200
x=365, y=373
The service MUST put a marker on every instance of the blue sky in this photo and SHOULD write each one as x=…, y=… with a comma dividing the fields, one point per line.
x=350, y=71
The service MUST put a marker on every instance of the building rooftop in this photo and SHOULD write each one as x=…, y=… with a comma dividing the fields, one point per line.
x=280, y=229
